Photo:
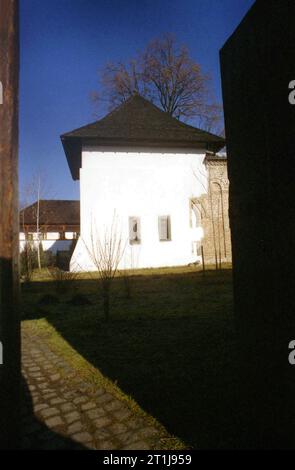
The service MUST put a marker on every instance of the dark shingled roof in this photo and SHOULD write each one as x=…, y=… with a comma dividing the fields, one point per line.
x=52, y=212
x=137, y=123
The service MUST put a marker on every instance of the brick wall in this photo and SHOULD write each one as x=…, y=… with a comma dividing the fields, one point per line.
x=213, y=207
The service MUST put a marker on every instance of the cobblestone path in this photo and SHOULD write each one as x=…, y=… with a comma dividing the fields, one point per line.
x=61, y=410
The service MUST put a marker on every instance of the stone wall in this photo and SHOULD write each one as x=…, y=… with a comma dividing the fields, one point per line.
x=213, y=208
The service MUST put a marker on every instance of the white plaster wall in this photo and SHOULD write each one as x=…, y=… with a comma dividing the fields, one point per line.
x=52, y=236
x=53, y=244
x=145, y=185
x=70, y=235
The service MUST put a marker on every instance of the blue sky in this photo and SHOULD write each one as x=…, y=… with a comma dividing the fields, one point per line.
x=65, y=42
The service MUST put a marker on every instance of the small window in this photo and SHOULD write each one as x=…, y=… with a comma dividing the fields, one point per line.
x=164, y=228
x=134, y=230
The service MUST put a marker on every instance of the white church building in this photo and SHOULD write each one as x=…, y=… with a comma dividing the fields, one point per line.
x=140, y=171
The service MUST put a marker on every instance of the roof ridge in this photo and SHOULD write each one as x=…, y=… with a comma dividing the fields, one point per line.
x=149, y=103
x=110, y=113
x=49, y=200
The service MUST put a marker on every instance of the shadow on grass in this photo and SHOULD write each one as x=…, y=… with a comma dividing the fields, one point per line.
x=171, y=347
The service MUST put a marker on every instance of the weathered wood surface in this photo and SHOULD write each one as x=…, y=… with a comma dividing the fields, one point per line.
x=9, y=225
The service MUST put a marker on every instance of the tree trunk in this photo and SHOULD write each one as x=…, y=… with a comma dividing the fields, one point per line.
x=38, y=226
x=106, y=302
x=9, y=227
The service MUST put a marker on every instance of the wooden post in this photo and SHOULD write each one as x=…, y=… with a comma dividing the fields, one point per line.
x=9, y=227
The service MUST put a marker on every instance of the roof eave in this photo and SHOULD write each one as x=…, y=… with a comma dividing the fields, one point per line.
x=73, y=147
x=73, y=150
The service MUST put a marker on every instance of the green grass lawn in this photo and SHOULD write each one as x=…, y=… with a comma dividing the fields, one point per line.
x=171, y=346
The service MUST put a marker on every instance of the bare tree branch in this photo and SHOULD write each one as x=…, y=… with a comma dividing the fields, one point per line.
x=105, y=250
x=165, y=74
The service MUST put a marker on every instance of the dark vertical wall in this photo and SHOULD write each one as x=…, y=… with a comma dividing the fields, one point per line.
x=258, y=63
x=9, y=320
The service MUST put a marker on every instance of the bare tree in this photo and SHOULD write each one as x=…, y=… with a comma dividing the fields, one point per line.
x=63, y=280
x=38, y=186
x=165, y=74
x=119, y=81
x=36, y=189
x=106, y=250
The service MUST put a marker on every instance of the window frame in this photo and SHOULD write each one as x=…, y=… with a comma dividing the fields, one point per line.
x=136, y=241
x=168, y=224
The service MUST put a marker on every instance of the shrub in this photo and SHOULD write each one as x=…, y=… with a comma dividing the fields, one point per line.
x=63, y=280
x=28, y=261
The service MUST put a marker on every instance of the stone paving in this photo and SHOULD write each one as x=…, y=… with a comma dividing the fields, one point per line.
x=60, y=410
